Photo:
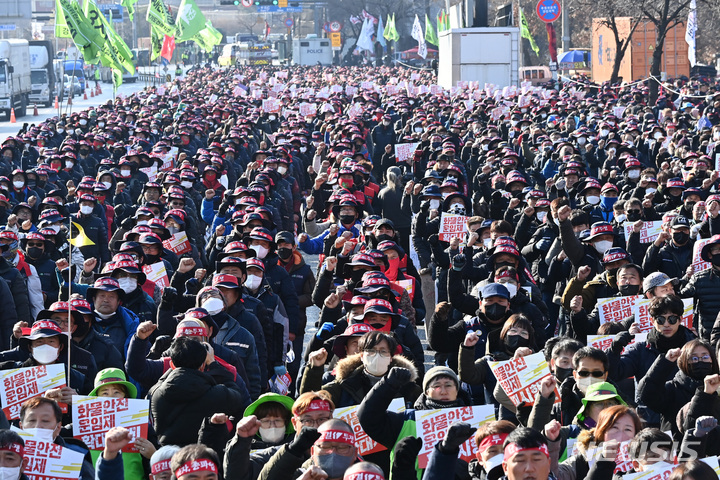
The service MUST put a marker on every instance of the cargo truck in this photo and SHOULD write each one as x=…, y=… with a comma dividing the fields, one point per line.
x=42, y=73
x=14, y=76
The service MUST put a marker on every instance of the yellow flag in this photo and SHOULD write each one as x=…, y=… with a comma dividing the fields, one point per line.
x=80, y=240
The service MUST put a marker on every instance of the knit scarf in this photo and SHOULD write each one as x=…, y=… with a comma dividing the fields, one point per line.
x=663, y=343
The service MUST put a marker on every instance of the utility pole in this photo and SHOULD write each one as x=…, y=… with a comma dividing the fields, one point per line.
x=565, y=27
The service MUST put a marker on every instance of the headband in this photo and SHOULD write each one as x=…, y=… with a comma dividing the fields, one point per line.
x=513, y=448
x=192, y=332
x=193, y=466
x=491, y=441
x=161, y=466
x=318, y=405
x=337, y=436
x=13, y=447
x=364, y=476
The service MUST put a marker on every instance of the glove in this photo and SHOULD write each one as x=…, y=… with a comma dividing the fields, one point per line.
x=325, y=331
x=457, y=434
x=128, y=223
x=398, y=376
x=302, y=443
x=560, y=184
x=705, y=425
x=458, y=262
x=406, y=452
x=425, y=206
x=162, y=343
x=191, y=286
x=169, y=295
x=621, y=341
x=543, y=245
x=280, y=370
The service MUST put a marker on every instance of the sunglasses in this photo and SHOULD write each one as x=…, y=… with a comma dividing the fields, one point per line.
x=671, y=319
x=586, y=373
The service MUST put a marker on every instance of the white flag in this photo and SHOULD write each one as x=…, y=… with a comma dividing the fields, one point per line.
x=690, y=31
x=364, y=41
x=417, y=34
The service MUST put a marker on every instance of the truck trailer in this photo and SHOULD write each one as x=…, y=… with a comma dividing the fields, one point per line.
x=14, y=76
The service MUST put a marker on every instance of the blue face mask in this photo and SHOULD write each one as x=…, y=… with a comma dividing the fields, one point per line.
x=608, y=202
x=334, y=464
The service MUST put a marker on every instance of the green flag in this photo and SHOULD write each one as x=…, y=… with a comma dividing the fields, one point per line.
x=61, y=27
x=130, y=6
x=208, y=37
x=386, y=31
x=393, y=31
x=156, y=41
x=115, y=53
x=430, y=35
x=525, y=33
x=86, y=38
x=189, y=21
x=159, y=16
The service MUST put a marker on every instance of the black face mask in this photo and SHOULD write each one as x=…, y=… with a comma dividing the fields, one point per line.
x=34, y=252
x=284, y=253
x=381, y=238
x=612, y=272
x=499, y=265
x=495, y=312
x=347, y=219
x=715, y=260
x=151, y=259
x=680, y=238
x=634, y=216
x=689, y=206
x=356, y=275
x=499, y=186
x=699, y=370
x=629, y=290
x=516, y=341
x=562, y=373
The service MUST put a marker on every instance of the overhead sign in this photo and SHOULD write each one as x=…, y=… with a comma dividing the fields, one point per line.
x=275, y=8
x=7, y=27
x=548, y=10
x=116, y=10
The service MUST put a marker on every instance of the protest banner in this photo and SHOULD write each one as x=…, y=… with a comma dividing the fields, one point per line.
x=22, y=384
x=658, y=471
x=271, y=105
x=432, y=426
x=713, y=462
x=649, y=232
x=644, y=322
x=157, y=273
x=603, y=342
x=698, y=264
x=615, y=309
x=623, y=461
x=452, y=225
x=405, y=151
x=308, y=109
x=407, y=285
x=365, y=445
x=178, y=243
x=280, y=384
x=520, y=377
x=94, y=416
x=48, y=460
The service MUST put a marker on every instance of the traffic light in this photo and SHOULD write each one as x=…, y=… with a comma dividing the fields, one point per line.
x=268, y=3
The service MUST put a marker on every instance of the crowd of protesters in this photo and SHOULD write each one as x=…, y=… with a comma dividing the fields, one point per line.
x=162, y=246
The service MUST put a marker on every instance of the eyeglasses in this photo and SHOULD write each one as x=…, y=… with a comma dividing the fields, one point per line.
x=632, y=211
x=277, y=423
x=382, y=353
x=705, y=358
x=309, y=422
x=594, y=373
x=35, y=245
x=671, y=319
x=443, y=386
x=342, y=448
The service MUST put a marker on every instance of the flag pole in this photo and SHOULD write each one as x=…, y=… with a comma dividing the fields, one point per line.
x=70, y=281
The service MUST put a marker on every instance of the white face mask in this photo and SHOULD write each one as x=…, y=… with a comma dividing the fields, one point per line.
x=42, y=434
x=9, y=473
x=581, y=141
x=488, y=242
x=45, y=354
x=621, y=218
x=54, y=228
x=213, y=305
x=19, y=184
x=303, y=149
x=103, y=316
x=186, y=184
x=434, y=204
x=271, y=117
x=124, y=172
x=107, y=185
x=584, y=382
x=511, y=288
x=282, y=169
x=375, y=364
x=493, y=462
x=83, y=122
x=541, y=216
x=69, y=164
x=260, y=251
x=60, y=130
x=128, y=284
x=418, y=129
x=141, y=222
x=101, y=124
x=253, y=282
x=593, y=199
x=272, y=435
x=650, y=190
x=603, y=246
x=634, y=174
x=86, y=209
x=604, y=133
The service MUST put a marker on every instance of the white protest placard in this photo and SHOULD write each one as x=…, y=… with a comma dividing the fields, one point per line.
x=178, y=243
x=270, y=105
x=603, y=342
x=366, y=85
x=355, y=110
x=615, y=309
x=169, y=160
x=452, y=225
x=365, y=445
x=436, y=89
x=49, y=461
x=644, y=322
x=623, y=461
x=520, y=377
x=658, y=471
x=618, y=111
x=22, y=384
x=308, y=109
x=713, y=462
x=408, y=285
x=698, y=263
x=94, y=416
x=649, y=232
x=432, y=426
x=280, y=384
x=157, y=273
x=151, y=172
x=405, y=151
